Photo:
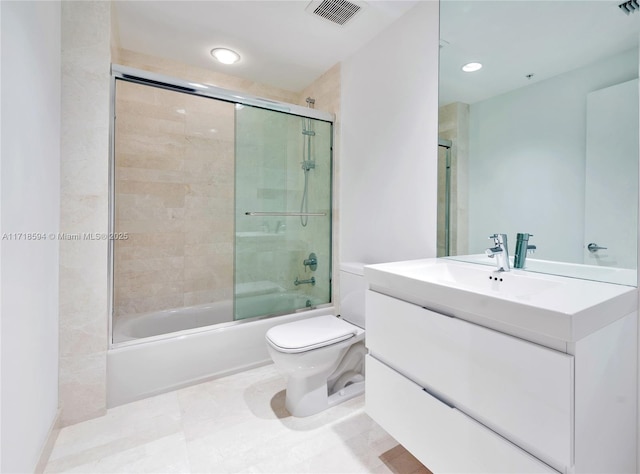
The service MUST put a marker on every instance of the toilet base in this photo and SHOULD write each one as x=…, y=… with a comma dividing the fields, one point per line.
x=347, y=393
x=302, y=400
x=306, y=396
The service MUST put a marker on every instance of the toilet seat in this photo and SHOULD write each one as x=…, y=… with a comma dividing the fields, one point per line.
x=308, y=334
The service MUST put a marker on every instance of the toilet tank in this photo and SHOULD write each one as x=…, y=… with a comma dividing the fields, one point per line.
x=352, y=292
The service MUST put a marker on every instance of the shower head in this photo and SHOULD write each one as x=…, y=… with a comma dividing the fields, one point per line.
x=629, y=7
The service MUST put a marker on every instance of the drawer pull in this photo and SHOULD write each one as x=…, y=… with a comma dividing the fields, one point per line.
x=439, y=398
x=439, y=313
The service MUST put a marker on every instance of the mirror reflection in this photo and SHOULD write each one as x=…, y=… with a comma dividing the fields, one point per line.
x=540, y=139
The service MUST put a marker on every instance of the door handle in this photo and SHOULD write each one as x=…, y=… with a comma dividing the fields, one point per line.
x=593, y=248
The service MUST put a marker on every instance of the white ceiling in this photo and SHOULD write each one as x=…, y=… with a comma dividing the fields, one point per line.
x=280, y=43
x=283, y=45
x=516, y=38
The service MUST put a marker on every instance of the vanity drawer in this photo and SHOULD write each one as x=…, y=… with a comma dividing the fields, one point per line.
x=441, y=437
x=521, y=390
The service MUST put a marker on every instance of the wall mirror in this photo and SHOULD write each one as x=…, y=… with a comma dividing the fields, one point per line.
x=543, y=138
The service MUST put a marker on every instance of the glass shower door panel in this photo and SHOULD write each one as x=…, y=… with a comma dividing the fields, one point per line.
x=173, y=196
x=283, y=169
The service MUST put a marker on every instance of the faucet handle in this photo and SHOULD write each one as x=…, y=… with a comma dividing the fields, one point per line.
x=524, y=236
x=499, y=238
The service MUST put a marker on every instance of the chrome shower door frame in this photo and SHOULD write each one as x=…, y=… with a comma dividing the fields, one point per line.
x=129, y=74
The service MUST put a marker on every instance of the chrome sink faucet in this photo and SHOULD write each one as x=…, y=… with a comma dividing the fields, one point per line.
x=522, y=249
x=500, y=252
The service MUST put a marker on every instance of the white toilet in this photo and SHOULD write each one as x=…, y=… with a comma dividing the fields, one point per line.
x=323, y=357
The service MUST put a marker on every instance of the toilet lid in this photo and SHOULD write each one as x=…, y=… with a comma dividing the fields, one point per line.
x=312, y=333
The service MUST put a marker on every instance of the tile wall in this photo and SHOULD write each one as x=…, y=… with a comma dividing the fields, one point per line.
x=271, y=259
x=83, y=279
x=174, y=185
x=270, y=149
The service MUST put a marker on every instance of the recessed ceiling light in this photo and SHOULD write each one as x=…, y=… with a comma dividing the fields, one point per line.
x=225, y=56
x=471, y=67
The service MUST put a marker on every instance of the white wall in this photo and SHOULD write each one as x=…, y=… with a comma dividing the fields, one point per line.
x=30, y=200
x=388, y=147
x=527, y=160
x=611, y=175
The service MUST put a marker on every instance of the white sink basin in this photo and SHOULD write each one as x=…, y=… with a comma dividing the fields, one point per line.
x=506, y=285
x=553, y=306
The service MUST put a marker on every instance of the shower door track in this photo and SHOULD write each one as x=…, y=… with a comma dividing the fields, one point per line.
x=214, y=92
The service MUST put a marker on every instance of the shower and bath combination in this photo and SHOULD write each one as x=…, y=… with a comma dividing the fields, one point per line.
x=211, y=206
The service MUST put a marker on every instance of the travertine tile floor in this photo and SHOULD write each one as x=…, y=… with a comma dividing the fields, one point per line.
x=233, y=424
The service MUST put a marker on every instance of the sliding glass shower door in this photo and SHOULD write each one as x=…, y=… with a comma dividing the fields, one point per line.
x=283, y=212
x=224, y=209
x=173, y=196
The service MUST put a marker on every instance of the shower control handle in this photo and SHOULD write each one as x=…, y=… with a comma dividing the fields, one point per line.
x=311, y=262
x=593, y=247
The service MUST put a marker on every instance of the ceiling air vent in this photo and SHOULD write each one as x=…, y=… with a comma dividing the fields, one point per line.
x=629, y=7
x=336, y=11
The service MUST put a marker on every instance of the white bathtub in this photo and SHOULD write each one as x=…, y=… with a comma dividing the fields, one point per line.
x=140, y=368
x=133, y=327
x=130, y=328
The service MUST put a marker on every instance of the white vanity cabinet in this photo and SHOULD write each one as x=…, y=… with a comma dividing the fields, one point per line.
x=466, y=398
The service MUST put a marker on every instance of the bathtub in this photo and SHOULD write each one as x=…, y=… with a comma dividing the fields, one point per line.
x=140, y=368
x=130, y=328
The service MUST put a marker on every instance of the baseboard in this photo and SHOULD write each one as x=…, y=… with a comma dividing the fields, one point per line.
x=54, y=430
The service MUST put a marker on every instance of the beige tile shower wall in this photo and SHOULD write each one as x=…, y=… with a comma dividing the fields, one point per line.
x=314, y=237
x=192, y=73
x=174, y=200
x=271, y=178
x=453, y=124
x=84, y=209
x=326, y=92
